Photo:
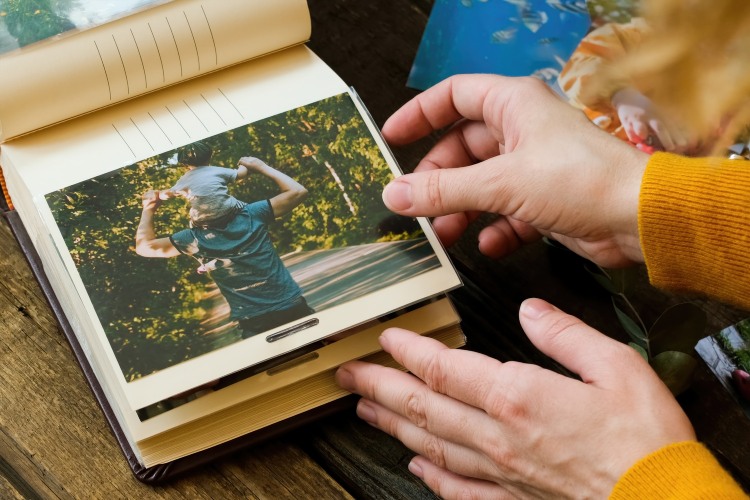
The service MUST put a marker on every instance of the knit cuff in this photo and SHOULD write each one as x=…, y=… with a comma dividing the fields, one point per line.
x=693, y=220
x=679, y=471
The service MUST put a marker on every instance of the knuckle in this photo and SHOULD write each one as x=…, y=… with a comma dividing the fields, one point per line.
x=367, y=386
x=435, y=190
x=415, y=409
x=466, y=492
x=434, y=450
x=435, y=372
x=626, y=355
x=562, y=324
x=504, y=458
x=507, y=405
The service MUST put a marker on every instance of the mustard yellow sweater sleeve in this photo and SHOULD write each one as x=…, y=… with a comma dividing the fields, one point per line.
x=680, y=471
x=694, y=222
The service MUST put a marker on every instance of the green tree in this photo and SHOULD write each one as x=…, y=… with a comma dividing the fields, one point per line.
x=30, y=21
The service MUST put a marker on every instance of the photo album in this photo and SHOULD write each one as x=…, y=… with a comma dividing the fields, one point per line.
x=200, y=199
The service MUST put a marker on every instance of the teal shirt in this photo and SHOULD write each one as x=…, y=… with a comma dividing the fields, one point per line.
x=249, y=272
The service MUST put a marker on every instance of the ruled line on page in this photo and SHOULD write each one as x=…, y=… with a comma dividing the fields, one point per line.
x=122, y=61
x=124, y=141
x=195, y=44
x=142, y=134
x=161, y=128
x=140, y=56
x=176, y=45
x=213, y=40
x=231, y=103
x=214, y=110
x=178, y=121
x=196, y=115
x=158, y=52
x=104, y=67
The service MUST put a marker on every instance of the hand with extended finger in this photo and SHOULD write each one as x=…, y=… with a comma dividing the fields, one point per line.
x=486, y=429
x=514, y=149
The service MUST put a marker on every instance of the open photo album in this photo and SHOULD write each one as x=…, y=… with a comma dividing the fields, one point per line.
x=203, y=204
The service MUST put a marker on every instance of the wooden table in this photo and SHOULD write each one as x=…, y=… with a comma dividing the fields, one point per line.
x=50, y=425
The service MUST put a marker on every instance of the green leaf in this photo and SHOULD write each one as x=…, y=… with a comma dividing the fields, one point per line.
x=640, y=350
x=620, y=279
x=679, y=328
x=675, y=369
x=615, y=281
x=631, y=327
x=602, y=278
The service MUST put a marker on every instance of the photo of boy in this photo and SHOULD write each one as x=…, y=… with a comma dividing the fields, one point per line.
x=230, y=238
x=205, y=187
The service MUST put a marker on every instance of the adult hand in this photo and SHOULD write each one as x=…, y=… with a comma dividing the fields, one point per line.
x=486, y=429
x=151, y=200
x=525, y=155
x=644, y=124
x=166, y=194
x=251, y=162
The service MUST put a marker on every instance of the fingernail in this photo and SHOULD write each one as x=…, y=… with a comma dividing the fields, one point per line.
x=415, y=469
x=535, y=308
x=384, y=342
x=397, y=195
x=366, y=412
x=345, y=379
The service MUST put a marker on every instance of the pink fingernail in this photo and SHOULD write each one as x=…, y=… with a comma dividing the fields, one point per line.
x=535, y=308
x=345, y=379
x=384, y=342
x=366, y=412
x=397, y=195
x=415, y=469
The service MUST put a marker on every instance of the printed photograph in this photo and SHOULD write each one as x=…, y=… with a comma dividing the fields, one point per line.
x=231, y=236
x=23, y=22
x=507, y=37
x=727, y=355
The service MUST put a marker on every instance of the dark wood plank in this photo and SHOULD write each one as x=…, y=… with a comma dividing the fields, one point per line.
x=367, y=462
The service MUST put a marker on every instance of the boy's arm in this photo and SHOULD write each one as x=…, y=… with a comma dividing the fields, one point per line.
x=146, y=242
x=292, y=192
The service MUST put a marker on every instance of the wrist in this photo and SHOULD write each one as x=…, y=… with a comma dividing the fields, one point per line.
x=632, y=168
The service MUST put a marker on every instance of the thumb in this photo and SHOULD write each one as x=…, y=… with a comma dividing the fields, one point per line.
x=436, y=192
x=593, y=356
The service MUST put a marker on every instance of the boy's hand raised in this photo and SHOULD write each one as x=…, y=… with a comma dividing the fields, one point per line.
x=514, y=149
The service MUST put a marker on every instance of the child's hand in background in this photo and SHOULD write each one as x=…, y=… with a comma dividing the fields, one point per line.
x=643, y=123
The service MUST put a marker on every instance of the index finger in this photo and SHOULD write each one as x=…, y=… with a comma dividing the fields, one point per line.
x=473, y=378
x=460, y=96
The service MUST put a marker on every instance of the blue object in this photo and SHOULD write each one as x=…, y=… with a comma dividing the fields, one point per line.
x=508, y=37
